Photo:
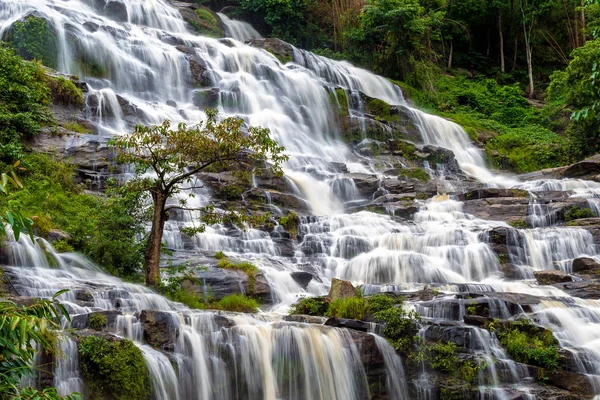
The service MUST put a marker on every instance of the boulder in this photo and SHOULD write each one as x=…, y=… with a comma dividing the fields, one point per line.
x=586, y=168
x=55, y=235
x=302, y=278
x=489, y=193
x=581, y=289
x=159, y=329
x=341, y=290
x=550, y=277
x=116, y=11
x=283, y=51
x=584, y=265
x=82, y=321
x=207, y=98
x=349, y=324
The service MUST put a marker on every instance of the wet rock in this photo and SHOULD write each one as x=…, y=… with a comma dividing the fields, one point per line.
x=488, y=193
x=575, y=383
x=513, y=210
x=305, y=319
x=171, y=103
x=365, y=184
x=581, y=289
x=348, y=324
x=82, y=321
x=278, y=198
x=208, y=98
x=551, y=276
x=302, y=278
x=55, y=235
x=586, y=168
x=205, y=26
x=340, y=290
x=585, y=265
x=116, y=11
x=459, y=335
x=159, y=329
x=280, y=49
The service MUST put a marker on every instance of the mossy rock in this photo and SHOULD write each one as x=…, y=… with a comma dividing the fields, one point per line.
x=204, y=22
x=35, y=39
x=113, y=368
x=339, y=101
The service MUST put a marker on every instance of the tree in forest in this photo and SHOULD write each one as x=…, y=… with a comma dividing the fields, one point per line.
x=531, y=10
x=175, y=156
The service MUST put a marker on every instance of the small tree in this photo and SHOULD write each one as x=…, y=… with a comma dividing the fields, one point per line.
x=175, y=156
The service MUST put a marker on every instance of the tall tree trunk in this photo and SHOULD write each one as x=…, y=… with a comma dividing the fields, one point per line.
x=502, y=67
x=152, y=257
x=528, y=52
x=514, y=67
x=583, y=21
x=451, y=54
x=577, y=36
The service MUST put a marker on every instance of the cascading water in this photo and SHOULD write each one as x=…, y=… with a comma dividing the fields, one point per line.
x=142, y=74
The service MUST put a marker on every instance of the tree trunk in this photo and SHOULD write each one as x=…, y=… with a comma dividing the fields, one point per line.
x=502, y=67
x=583, y=21
x=152, y=258
x=528, y=52
x=514, y=67
x=451, y=54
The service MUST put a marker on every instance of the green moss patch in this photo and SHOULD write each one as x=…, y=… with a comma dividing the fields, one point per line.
x=35, y=39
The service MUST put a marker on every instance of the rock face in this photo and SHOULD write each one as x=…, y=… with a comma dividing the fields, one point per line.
x=585, y=265
x=159, y=329
x=280, y=49
x=302, y=278
x=551, y=277
x=340, y=290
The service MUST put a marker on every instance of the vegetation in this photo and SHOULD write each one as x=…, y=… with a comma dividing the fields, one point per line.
x=177, y=155
x=310, y=306
x=23, y=329
x=578, y=213
x=35, y=39
x=415, y=173
x=97, y=321
x=65, y=92
x=248, y=268
x=290, y=223
x=237, y=303
x=530, y=344
x=350, y=308
x=114, y=368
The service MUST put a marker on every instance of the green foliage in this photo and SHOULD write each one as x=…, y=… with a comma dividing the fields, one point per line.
x=45, y=394
x=578, y=213
x=248, y=268
x=62, y=246
x=339, y=100
x=416, y=173
x=310, y=306
x=75, y=127
x=22, y=329
x=529, y=344
x=114, y=369
x=24, y=98
x=290, y=223
x=442, y=356
x=350, y=308
x=238, y=303
x=209, y=25
x=380, y=302
x=97, y=321
x=219, y=255
x=35, y=39
x=65, y=92
x=400, y=326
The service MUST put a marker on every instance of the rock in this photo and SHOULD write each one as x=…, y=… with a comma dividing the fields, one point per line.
x=588, y=167
x=82, y=321
x=281, y=50
x=171, y=103
x=550, y=277
x=280, y=199
x=488, y=193
x=116, y=11
x=159, y=329
x=205, y=26
x=573, y=382
x=349, y=324
x=207, y=98
x=340, y=290
x=365, y=184
x=581, y=289
x=55, y=235
x=585, y=265
x=302, y=278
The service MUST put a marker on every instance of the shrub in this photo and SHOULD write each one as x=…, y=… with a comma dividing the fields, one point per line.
x=380, y=302
x=442, y=356
x=310, y=306
x=114, y=369
x=578, y=213
x=380, y=108
x=24, y=97
x=63, y=246
x=219, y=255
x=238, y=303
x=351, y=308
x=290, y=223
x=35, y=39
x=97, y=321
x=65, y=92
x=400, y=327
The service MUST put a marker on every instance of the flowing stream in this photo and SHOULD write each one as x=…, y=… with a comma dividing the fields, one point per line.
x=145, y=57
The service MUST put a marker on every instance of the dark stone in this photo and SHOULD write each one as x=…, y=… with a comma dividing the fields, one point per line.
x=551, y=276
x=581, y=289
x=159, y=329
x=302, y=278
x=280, y=49
x=587, y=167
x=116, y=11
x=348, y=324
x=584, y=264
x=171, y=103
x=55, y=235
x=82, y=321
x=208, y=98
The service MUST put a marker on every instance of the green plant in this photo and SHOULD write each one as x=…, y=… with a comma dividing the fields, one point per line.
x=350, y=308
x=114, y=368
x=219, y=255
x=380, y=302
x=35, y=39
x=63, y=246
x=400, y=327
x=519, y=224
x=238, y=303
x=45, y=394
x=97, y=321
x=310, y=306
x=576, y=212
x=75, y=127
x=290, y=223
x=416, y=173
x=248, y=268
x=442, y=356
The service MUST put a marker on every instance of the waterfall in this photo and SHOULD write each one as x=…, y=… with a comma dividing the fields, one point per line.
x=149, y=67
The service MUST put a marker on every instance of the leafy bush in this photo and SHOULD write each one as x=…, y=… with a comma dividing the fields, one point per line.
x=114, y=369
x=97, y=321
x=529, y=344
x=380, y=302
x=310, y=306
x=350, y=308
x=400, y=327
x=442, y=356
x=290, y=223
x=35, y=39
x=24, y=98
x=578, y=213
x=238, y=303
x=219, y=255
x=65, y=92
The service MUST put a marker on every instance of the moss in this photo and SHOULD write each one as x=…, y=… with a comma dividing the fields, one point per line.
x=310, y=306
x=290, y=223
x=75, y=127
x=379, y=108
x=284, y=59
x=339, y=100
x=249, y=269
x=407, y=150
x=114, y=369
x=576, y=212
x=35, y=39
x=415, y=173
x=519, y=224
x=238, y=303
x=230, y=192
x=219, y=255
x=97, y=321
x=207, y=24
x=65, y=92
